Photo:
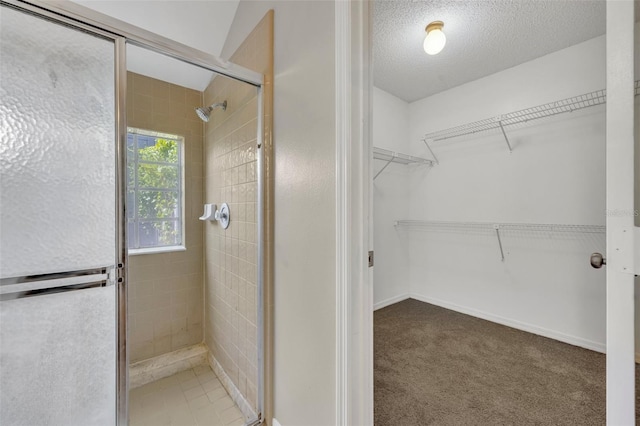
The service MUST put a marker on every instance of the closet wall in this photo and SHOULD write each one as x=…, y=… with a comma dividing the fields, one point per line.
x=555, y=174
x=390, y=199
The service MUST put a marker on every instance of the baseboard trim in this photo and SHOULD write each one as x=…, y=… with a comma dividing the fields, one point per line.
x=231, y=388
x=391, y=301
x=165, y=365
x=566, y=338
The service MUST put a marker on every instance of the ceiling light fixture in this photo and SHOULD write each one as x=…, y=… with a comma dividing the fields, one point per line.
x=435, y=40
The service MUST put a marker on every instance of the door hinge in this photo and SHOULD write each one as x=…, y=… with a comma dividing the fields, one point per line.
x=636, y=233
x=370, y=258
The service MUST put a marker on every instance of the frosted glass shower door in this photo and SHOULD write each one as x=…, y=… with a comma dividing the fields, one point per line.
x=57, y=223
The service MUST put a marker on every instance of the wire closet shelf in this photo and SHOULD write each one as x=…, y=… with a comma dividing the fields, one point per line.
x=490, y=226
x=575, y=103
x=497, y=228
x=397, y=157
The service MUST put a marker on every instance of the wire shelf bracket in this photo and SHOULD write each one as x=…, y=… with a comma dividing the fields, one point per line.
x=398, y=158
x=426, y=142
x=551, y=109
x=506, y=139
x=497, y=228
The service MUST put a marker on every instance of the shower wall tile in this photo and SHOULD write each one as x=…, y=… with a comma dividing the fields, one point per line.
x=166, y=289
x=230, y=176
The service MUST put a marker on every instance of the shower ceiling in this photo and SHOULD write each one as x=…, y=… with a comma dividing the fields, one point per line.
x=200, y=24
x=483, y=37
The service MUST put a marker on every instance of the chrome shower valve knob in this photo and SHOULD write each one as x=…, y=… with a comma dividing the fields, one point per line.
x=223, y=216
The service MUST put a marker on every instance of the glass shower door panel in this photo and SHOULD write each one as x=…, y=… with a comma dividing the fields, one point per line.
x=57, y=147
x=57, y=217
x=58, y=359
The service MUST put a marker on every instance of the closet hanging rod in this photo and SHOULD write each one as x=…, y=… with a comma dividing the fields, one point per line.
x=397, y=157
x=491, y=226
x=574, y=103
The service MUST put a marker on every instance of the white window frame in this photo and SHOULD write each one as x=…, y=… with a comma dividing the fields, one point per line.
x=181, y=195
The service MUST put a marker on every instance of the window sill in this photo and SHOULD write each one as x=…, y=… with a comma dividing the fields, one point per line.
x=154, y=250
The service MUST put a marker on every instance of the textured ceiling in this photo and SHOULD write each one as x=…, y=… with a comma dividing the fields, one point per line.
x=202, y=24
x=483, y=37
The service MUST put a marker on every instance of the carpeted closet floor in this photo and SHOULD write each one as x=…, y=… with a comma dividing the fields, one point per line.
x=436, y=366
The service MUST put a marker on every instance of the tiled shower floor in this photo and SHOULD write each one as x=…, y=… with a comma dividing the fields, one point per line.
x=191, y=398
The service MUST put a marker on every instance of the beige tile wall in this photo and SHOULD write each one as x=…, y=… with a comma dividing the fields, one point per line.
x=166, y=289
x=230, y=176
x=231, y=254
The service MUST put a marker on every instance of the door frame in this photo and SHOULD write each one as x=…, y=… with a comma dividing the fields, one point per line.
x=619, y=215
x=354, y=330
x=354, y=189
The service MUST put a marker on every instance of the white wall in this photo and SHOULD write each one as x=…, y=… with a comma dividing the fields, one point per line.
x=390, y=199
x=555, y=174
x=304, y=143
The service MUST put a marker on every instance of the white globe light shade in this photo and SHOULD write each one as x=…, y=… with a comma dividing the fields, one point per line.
x=434, y=41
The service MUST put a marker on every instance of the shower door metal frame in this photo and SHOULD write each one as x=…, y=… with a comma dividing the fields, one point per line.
x=122, y=33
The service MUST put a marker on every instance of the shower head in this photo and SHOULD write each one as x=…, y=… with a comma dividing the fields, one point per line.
x=205, y=112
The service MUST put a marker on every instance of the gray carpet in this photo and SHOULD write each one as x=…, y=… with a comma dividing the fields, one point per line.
x=433, y=366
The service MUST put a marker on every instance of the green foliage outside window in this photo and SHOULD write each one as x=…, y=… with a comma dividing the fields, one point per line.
x=154, y=191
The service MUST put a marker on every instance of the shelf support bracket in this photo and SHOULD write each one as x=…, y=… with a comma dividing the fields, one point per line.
x=504, y=134
x=384, y=167
x=430, y=150
x=497, y=228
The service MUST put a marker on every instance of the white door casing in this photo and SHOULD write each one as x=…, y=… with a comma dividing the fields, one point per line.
x=354, y=283
x=620, y=218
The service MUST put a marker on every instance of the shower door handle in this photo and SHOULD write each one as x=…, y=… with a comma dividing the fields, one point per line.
x=58, y=282
x=598, y=260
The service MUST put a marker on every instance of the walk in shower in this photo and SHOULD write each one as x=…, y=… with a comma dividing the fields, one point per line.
x=113, y=281
x=192, y=274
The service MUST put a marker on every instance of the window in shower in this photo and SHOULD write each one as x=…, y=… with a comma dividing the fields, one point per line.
x=154, y=192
